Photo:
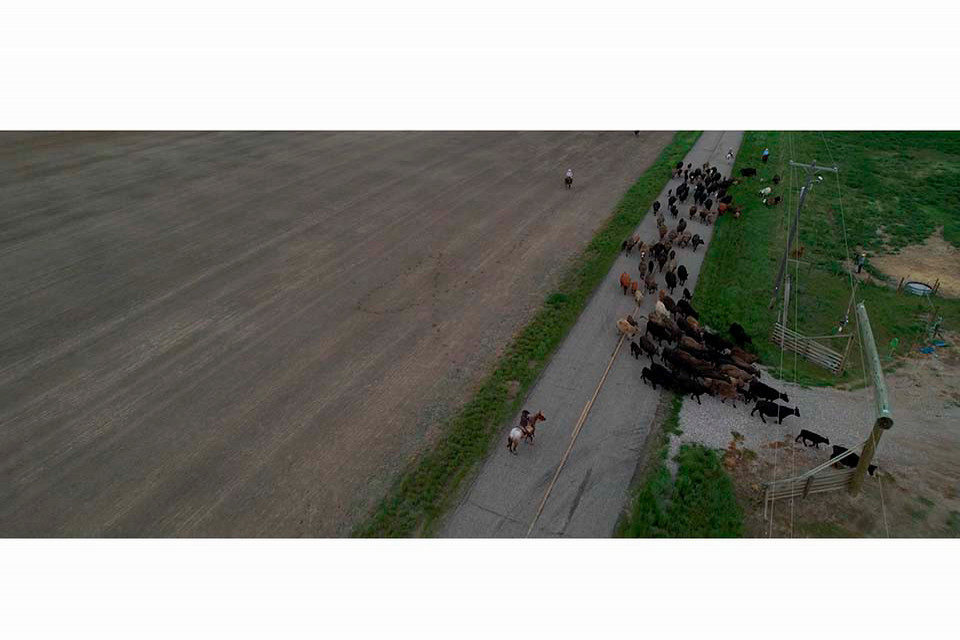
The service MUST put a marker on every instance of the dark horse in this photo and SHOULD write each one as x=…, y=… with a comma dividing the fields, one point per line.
x=568, y=181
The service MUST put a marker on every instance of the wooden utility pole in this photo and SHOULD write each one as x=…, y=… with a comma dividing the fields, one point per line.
x=812, y=170
x=884, y=420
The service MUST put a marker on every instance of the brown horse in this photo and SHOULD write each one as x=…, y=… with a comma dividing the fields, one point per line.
x=530, y=428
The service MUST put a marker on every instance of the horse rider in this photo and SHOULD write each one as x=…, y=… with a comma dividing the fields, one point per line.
x=525, y=421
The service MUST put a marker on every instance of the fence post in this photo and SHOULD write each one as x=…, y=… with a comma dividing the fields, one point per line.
x=881, y=399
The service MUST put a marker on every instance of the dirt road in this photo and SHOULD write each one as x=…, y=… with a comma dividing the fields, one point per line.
x=250, y=334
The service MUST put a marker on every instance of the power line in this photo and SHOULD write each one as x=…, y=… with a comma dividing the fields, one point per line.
x=853, y=291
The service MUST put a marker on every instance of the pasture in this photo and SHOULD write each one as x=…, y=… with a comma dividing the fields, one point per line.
x=254, y=334
x=896, y=190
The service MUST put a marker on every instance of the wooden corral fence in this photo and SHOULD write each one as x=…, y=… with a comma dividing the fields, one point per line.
x=820, y=479
x=809, y=348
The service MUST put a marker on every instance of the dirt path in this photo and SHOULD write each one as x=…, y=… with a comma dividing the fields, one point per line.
x=243, y=334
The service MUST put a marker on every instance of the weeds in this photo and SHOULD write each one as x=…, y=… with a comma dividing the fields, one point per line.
x=699, y=503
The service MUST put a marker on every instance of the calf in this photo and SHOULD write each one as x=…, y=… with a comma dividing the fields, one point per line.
x=696, y=241
x=625, y=282
x=773, y=409
x=765, y=392
x=687, y=295
x=635, y=350
x=851, y=460
x=746, y=172
x=809, y=436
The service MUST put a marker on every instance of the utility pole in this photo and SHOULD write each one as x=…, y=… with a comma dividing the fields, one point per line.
x=884, y=420
x=812, y=170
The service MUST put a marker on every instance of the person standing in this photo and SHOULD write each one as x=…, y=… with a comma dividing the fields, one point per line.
x=568, y=179
x=766, y=154
x=860, y=260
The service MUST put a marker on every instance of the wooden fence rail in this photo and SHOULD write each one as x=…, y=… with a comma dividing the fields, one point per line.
x=808, y=348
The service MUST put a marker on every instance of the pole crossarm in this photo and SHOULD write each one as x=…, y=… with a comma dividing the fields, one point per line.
x=815, y=167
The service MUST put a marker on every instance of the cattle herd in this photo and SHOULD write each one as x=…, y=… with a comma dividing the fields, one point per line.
x=693, y=359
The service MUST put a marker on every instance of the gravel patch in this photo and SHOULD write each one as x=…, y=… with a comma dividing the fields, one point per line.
x=844, y=417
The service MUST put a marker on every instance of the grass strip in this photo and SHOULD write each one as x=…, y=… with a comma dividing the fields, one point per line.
x=699, y=502
x=423, y=492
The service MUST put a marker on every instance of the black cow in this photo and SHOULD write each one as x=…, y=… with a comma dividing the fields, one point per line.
x=696, y=242
x=716, y=342
x=659, y=332
x=765, y=392
x=635, y=350
x=773, y=409
x=648, y=346
x=746, y=172
x=739, y=335
x=687, y=295
x=687, y=309
x=726, y=199
x=671, y=278
x=688, y=385
x=809, y=436
x=851, y=460
x=682, y=275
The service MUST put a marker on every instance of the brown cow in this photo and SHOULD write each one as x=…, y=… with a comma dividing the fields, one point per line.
x=624, y=282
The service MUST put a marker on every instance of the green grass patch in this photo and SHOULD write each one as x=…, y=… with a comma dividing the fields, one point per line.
x=889, y=201
x=423, y=492
x=699, y=503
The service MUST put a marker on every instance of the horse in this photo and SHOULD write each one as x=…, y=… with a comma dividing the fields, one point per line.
x=568, y=180
x=530, y=428
x=513, y=439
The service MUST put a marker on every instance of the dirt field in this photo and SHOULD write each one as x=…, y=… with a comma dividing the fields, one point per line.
x=935, y=259
x=249, y=334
